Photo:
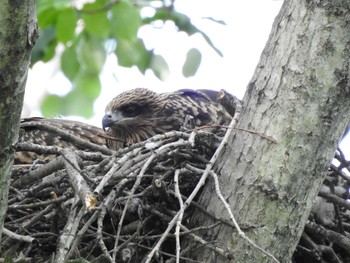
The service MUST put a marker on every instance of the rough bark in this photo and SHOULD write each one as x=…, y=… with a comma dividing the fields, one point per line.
x=299, y=95
x=18, y=33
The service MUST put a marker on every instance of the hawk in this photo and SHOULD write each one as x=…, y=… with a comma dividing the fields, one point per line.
x=131, y=117
x=139, y=114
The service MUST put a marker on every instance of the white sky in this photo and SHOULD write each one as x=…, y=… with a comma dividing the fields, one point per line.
x=241, y=41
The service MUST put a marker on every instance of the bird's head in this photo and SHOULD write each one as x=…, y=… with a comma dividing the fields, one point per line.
x=139, y=114
x=134, y=116
x=131, y=108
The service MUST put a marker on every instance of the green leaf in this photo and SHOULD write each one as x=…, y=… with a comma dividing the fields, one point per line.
x=191, y=65
x=62, y=4
x=47, y=17
x=47, y=11
x=160, y=14
x=210, y=43
x=43, y=4
x=95, y=18
x=50, y=51
x=88, y=84
x=69, y=62
x=91, y=53
x=160, y=67
x=65, y=24
x=44, y=48
x=77, y=103
x=52, y=106
x=125, y=21
x=183, y=22
x=221, y=22
x=133, y=53
x=74, y=103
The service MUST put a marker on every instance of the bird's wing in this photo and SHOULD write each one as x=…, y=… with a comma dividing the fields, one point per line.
x=202, y=105
x=58, y=132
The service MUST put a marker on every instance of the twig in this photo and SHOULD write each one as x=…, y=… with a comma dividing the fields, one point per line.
x=20, y=259
x=159, y=151
x=341, y=240
x=238, y=129
x=39, y=173
x=229, y=211
x=196, y=238
x=37, y=216
x=81, y=232
x=80, y=186
x=340, y=173
x=257, y=133
x=170, y=255
x=101, y=216
x=179, y=219
x=334, y=198
x=68, y=234
x=106, y=178
x=40, y=204
x=22, y=238
x=41, y=149
x=200, y=240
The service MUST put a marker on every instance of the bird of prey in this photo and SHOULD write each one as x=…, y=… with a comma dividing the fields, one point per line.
x=57, y=132
x=139, y=114
x=131, y=117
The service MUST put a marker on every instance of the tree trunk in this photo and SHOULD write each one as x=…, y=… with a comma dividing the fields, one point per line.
x=299, y=95
x=18, y=33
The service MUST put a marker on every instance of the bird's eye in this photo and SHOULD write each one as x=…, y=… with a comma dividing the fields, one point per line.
x=131, y=111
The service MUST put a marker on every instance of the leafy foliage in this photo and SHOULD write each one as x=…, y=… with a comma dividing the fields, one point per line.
x=83, y=32
x=193, y=60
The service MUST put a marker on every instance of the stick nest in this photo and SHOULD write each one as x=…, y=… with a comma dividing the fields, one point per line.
x=104, y=208
x=130, y=206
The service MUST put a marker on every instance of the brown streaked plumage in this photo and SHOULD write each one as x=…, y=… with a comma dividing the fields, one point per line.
x=56, y=132
x=139, y=114
x=132, y=116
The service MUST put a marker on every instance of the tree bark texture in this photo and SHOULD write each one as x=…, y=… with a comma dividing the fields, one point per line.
x=18, y=32
x=299, y=95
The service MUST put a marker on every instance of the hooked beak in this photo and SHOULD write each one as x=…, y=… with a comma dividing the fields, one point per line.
x=106, y=121
x=110, y=119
